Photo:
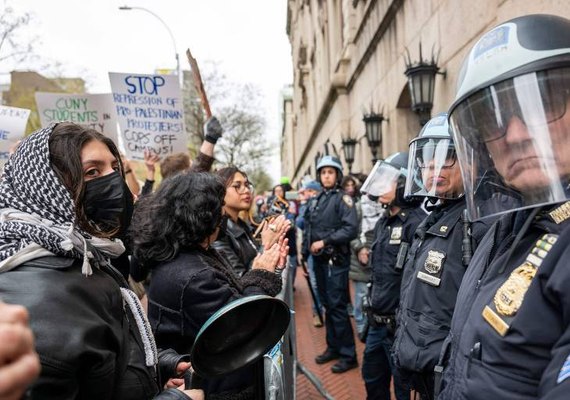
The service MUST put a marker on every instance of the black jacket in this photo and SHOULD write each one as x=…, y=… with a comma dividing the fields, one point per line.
x=432, y=275
x=392, y=240
x=530, y=359
x=87, y=348
x=237, y=245
x=185, y=292
x=331, y=217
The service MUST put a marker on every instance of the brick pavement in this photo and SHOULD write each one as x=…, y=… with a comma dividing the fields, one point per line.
x=310, y=343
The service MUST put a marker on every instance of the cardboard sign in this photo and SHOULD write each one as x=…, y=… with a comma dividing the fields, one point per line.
x=95, y=111
x=13, y=122
x=150, y=114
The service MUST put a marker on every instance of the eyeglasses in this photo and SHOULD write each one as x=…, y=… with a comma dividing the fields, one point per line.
x=448, y=162
x=242, y=187
x=536, y=99
x=436, y=154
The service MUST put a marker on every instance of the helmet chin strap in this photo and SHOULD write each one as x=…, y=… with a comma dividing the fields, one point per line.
x=431, y=203
x=388, y=208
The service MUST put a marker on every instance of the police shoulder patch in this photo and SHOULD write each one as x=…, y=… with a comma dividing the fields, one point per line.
x=347, y=200
x=564, y=371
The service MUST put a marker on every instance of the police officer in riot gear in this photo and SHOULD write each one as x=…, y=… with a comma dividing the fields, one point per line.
x=392, y=237
x=435, y=264
x=332, y=224
x=510, y=334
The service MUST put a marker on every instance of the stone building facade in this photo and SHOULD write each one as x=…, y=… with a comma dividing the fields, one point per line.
x=349, y=58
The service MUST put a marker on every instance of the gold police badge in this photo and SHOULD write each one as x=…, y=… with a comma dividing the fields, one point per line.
x=508, y=299
x=510, y=295
x=348, y=200
x=434, y=261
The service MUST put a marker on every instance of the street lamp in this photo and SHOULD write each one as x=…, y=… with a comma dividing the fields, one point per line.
x=373, y=125
x=348, y=148
x=128, y=8
x=317, y=159
x=421, y=83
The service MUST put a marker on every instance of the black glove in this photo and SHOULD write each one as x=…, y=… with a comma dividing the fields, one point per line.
x=167, y=361
x=214, y=130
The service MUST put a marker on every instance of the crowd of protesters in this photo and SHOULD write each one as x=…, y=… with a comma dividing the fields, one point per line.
x=439, y=245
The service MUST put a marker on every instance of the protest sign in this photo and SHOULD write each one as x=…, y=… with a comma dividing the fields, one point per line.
x=12, y=128
x=150, y=114
x=95, y=111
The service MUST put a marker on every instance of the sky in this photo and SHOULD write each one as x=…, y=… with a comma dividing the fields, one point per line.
x=90, y=38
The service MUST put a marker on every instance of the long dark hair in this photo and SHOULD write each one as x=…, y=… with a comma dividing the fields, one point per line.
x=227, y=174
x=184, y=211
x=355, y=181
x=65, y=144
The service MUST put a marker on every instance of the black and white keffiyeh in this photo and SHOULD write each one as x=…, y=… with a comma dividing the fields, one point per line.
x=37, y=218
x=37, y=213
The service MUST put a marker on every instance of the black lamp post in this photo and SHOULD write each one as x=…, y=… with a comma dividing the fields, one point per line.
x=373, y=125
x=421, y=83
x=348, y=148
x=317, y=159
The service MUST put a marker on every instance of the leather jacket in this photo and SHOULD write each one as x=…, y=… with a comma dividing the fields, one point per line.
x=186, y=291
x=237, y=245
x=88, y=343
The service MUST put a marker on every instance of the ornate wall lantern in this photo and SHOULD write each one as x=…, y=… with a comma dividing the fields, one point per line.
x=373, y=125
x=348, y=148
x=421, y=83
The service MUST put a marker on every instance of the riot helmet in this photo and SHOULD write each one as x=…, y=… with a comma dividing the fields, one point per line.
x=510, y=119
x=385, y=183
x=333, y=162
x=433, y=166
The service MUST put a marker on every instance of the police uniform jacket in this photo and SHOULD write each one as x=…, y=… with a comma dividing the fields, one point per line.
x=332, y=218
x=392, y=239
x=433, y=273
x=510, y=335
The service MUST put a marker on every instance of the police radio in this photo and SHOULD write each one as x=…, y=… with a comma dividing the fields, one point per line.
x=466, y=247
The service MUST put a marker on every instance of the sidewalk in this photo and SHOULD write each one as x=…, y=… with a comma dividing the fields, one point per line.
x=310, y=343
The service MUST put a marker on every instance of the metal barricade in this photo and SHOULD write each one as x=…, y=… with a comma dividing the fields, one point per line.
x=280, y=364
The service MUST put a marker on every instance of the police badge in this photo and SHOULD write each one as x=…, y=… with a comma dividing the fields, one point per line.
x=432, y=265
x=508, y=299
x=510, y=295
x=434, y=261
x=396, y=235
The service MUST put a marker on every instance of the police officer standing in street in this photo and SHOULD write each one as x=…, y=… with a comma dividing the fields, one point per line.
x=438, y=257
x=510, y=334
x=393, y=235
x=332, y=224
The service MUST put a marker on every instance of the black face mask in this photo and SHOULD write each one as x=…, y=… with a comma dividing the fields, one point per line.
x=108, y=203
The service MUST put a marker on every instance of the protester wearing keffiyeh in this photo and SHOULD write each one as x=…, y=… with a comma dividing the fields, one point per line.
x=37, y=219
x=37, y=213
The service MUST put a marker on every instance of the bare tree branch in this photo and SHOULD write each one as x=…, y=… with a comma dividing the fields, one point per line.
x=12, y=46
x=239, y=107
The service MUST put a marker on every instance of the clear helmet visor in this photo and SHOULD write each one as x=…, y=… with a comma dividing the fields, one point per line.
x=381, y=182
x=434, y=170
x=513, y=142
